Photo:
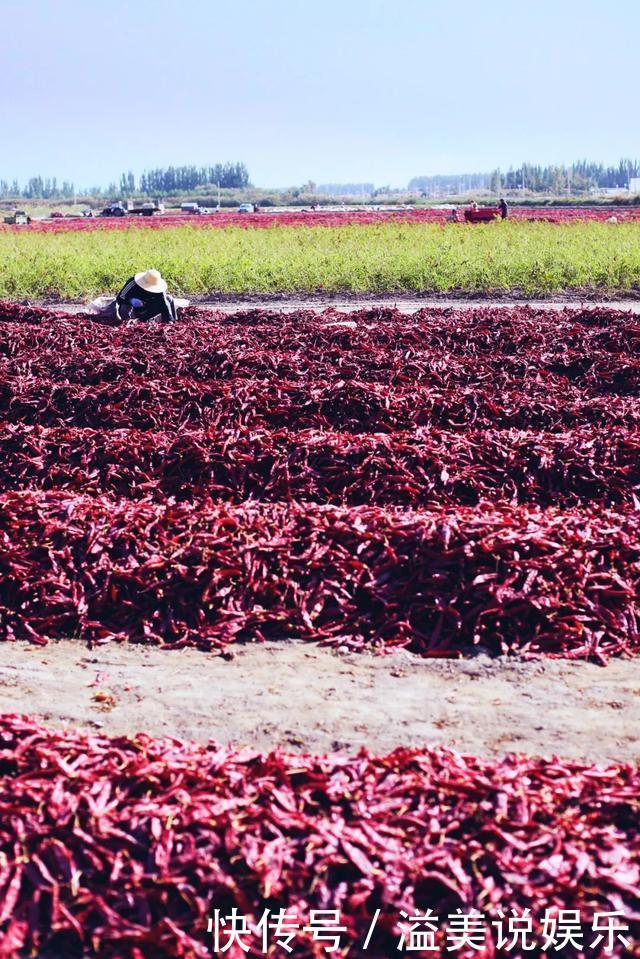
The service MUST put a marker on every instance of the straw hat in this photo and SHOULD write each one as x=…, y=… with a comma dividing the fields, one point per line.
x=151, y=281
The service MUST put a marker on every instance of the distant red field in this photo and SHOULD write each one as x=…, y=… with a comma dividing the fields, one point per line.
x=316, y=218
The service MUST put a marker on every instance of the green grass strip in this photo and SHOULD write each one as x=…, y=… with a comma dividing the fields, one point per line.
x=535, y=258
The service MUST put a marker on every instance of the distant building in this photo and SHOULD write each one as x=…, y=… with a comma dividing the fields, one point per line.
x=634, y=184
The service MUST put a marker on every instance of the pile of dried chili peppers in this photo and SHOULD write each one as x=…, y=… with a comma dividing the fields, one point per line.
x=419, y=468
x=378, y=371
x=126, y=847
x=442, y=481
x=506, y=578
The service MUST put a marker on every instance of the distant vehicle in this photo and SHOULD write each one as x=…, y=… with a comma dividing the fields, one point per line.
x=114, y=209
x=19, y=218
x=145, y=207
x=56, y=215
x=246, y=208
x=482, y=214
x=191, y=208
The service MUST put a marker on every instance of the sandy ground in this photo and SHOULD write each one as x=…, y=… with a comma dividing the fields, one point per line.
x=308, y=698
x=405, y=304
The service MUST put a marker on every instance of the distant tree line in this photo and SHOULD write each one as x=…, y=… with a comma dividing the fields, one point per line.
x=181, y=178
x=158, y=182
x=580, y=177
x=37, y=188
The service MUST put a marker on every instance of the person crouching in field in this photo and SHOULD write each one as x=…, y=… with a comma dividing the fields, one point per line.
x=143, y=297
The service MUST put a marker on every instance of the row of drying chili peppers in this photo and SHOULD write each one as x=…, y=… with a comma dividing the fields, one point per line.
x=439, y=582
x=424, y=467
x=345, y=405
x=125, y=848
x=518, y=369
x=314, y=218
x=373, y=332
x=594, y=372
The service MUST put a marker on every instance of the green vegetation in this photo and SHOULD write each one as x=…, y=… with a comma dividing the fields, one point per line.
x=532, y=257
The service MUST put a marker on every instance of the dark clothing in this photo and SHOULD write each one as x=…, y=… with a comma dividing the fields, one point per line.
x=147, y=306
x=504, y=209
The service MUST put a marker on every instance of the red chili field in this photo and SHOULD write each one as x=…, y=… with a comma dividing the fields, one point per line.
x=267, y=219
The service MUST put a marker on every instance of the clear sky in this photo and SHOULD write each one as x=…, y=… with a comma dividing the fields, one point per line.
x=341, y=90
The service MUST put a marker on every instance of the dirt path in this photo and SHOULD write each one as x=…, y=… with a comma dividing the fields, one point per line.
x=308, y=698
x=405, y=304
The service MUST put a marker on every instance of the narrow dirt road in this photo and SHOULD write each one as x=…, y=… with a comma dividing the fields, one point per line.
x=405, y=304
x=308, y=698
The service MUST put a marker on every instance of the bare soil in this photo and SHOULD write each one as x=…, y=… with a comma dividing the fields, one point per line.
x=453, y=297
x=312, y=699
x=405, y=303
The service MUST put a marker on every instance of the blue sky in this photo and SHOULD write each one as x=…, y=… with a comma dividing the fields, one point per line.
x=342, y=90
